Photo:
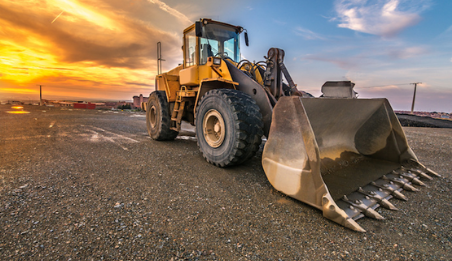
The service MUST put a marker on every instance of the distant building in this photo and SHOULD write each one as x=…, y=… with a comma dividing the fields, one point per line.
x=121, y=103
x=66, y=104
x=88, y=105
x=137, y=100
x=111, y=104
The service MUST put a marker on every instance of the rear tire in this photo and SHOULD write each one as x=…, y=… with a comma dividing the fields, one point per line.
x=228, y=126
x=158, y=119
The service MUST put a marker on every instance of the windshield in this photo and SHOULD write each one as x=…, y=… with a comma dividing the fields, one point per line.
x=219, y=40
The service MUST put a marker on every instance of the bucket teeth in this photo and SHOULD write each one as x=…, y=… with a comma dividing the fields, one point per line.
x=366, y=210
x=395, y=193
x=350, y=223
x=381, y=201
x=386, y=204
x=413, y=179
x=399, y=195
x=404, y=184
x=366, y=199
x=316, y=152
x=373, y=214
x=422, y=174
x=432, y=172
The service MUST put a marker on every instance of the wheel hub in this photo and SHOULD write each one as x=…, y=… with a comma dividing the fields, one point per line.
x=152, y=117
x=214, y=130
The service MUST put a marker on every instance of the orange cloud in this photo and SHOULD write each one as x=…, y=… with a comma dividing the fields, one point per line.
x=83, y=49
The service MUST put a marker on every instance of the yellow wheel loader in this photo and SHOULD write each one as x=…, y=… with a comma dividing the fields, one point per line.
x=343, y=155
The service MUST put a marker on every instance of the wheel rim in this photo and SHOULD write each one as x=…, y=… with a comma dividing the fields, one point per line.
x=152, y=116
x=213, y=128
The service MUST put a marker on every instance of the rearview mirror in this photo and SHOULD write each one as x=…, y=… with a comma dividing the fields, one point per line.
x=246, y=39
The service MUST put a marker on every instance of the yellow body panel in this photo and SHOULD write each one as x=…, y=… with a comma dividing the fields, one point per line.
x=205, y=72
x=194, y=75
x=169, y=84
x=176, y=70
x=258, y=76
x=160, y=83
x=189, y=76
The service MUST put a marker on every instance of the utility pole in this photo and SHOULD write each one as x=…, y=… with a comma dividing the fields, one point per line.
x=414, y=95
x=40, y=95
x=159, y=58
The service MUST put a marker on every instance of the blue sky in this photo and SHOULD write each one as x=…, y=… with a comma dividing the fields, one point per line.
x=107, y=48
x=382, y=46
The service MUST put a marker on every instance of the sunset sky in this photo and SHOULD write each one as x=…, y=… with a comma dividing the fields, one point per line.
x=106, y=49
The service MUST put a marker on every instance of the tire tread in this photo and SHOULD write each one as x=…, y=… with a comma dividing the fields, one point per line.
x=164, y=132
x=248, y=126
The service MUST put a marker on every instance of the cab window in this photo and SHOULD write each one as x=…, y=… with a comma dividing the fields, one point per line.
x=190, y=48
x=220, y=41
x=208, y=48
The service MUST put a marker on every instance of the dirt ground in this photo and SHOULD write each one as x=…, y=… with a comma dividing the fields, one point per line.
x=92, y=185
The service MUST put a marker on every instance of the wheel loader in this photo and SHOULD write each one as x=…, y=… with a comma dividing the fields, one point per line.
x=343, y=155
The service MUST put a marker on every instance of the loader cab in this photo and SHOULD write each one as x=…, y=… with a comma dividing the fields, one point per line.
x=208, y=38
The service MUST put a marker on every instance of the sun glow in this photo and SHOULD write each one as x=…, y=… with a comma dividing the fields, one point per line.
x=77, y=49
x=20, y=90
x=17, y=112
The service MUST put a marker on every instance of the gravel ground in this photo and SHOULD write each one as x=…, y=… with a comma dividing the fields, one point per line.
x=91, y=185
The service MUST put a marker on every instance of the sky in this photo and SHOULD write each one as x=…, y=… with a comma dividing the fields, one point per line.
x=106, y=49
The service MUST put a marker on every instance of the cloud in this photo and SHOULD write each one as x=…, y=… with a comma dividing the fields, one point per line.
x=99, y=48
x=56, y=68
x=171, y=11
x=368, y=54
x=127, y=46
x=380, y=17
x=449, y=29
x=307, y=34
x=405, y=53
x=139, y=84
x=341, y=62
x=278, y=22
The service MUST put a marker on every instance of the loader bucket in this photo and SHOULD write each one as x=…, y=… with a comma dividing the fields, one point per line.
x=345, y=157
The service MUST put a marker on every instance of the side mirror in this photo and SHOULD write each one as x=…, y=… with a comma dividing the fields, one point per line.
x=198, y=28
x=246, y=39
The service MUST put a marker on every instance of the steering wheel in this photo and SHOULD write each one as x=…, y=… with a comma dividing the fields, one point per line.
x=222, y=55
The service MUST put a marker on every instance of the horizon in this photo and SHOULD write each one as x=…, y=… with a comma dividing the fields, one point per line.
x=106, y=50
x=131, y=101
x=54, y=97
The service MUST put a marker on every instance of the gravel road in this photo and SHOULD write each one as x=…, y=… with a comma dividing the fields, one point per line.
x=92, y=185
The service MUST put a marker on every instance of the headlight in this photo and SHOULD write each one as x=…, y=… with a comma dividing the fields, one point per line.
x=217, y=61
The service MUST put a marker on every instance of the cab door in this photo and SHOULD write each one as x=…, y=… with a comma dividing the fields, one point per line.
x=189, y=76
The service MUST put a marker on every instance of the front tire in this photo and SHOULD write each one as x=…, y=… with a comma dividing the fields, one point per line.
x=228, y=127
x=158, y=121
